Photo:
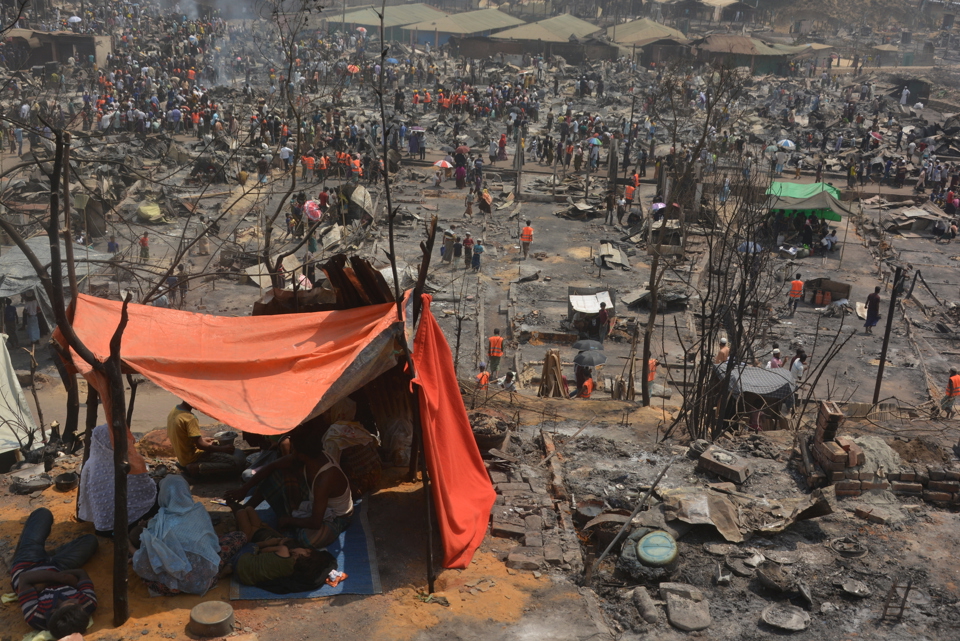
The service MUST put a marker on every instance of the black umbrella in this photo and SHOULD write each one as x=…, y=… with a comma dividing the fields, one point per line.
x=590, y=358
x=587, y=345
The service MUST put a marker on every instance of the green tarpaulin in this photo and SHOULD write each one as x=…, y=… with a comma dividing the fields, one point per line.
x=818, y=198
x=797, y=190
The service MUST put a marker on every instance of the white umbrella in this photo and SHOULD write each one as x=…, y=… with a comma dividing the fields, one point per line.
x=787, y=144
x=74, y=19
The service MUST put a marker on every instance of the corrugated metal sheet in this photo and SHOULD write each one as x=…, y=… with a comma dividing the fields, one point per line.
x=738, y=45
x=470, y=22
x=394, y=16
x=555, y=29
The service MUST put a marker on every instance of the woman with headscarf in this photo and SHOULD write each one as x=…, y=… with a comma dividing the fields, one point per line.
x=179, y=551
x=96, y=486
x=502, y=147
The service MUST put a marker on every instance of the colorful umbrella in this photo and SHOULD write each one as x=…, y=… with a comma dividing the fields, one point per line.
x=312, y=209
x=787, y=144
x=594, y=141
x=392, y=61
x=362, y=29
x=657, y=206
x=353, y=68
x=876, y=135
x=443, y=164
x=463, y=149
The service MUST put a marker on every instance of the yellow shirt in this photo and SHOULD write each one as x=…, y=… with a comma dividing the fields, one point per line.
x=182, y=428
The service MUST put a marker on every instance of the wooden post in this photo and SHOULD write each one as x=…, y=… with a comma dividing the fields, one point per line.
x=886, y=333
x=67, y=231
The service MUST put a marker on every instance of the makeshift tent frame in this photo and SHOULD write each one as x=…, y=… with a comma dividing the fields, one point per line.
x=756, y=388
x=819, y=199
x=269, y=374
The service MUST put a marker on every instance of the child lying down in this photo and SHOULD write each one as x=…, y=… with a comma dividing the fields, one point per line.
x=273, y=562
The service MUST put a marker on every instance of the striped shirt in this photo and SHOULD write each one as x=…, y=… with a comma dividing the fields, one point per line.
x=38, y=604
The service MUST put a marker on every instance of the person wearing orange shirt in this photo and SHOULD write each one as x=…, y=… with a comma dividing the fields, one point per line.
x=308, y=163
x=795, y=295
x=357, y=169
x=495, y=351
x=526, y=238
x=953, y=391
x=323, y=164
x=483, y=378
x=587, y=387
x=628, y=192
x=426, y=101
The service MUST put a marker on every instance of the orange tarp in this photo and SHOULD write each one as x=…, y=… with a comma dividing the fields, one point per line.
x=260, y=374
x=462, y=492
x=267, y=374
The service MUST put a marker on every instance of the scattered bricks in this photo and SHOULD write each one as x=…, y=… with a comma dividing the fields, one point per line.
x=725, y=464
x=507, y=487
x=521, y=558
x=845, y=442
x=834, y=452
x=908, y=477
x=893, y=476
x=936, y=474
x=856, y=456
x=955, y=498
x=921, y=475
x=951, y=475
x=837, y=476
x=507, y=530
x=498, y=477
x=848, y=492
x=907, y=488
x=534, y=523
x=936, y=497
x=533, y=540
x=866, y=476
x=848, y=485
x=943, y=486
x=874, y=485
x=853, y=475
x=869, y=515
x=553, y=554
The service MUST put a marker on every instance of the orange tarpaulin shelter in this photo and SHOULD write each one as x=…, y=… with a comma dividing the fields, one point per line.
x=269, y=374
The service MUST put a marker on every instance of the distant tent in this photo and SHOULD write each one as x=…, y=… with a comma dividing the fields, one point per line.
x=819, y=199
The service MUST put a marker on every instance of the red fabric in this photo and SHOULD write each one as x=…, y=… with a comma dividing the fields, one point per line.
x=260, y=374
x=462, y=492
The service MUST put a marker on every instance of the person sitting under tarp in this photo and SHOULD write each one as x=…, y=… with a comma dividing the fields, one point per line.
x=308, y=491
x=196, y=454
x=54, y=593
x=272, y=562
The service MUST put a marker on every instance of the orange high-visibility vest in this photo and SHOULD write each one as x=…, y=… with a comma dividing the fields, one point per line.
x=310, y=162
x=357, y=167
x=526, y=236
x=652, y=367
x=587, y=389
x=796, y=289
x=427, y=99
x=483, y=379
x=496, y=346
x=953, y=387
x=323, y=163
x=628, y=192
x=636, y=179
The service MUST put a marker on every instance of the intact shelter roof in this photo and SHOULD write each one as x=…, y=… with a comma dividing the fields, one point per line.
x=268, y=374
x=817, y=197
x=470, y=22
x=393, y=15
x=555, y=29
x=643, y=31
x=773, y=384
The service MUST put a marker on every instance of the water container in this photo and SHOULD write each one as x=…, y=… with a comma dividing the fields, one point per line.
x=818, y=298
x=827, y=297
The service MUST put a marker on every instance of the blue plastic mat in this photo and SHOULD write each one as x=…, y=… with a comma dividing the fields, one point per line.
x=355, y=554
